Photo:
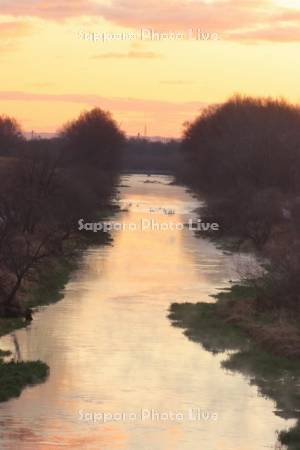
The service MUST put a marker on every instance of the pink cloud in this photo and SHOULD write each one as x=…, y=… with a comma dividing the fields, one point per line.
x=114, y=103
x=181, y=14
x=162, y=117
x=279, y=34
x=11, y=32
x=14, y=29
x=50, y=9
x=232, y=19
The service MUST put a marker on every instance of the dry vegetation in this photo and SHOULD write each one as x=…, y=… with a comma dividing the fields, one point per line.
x=46, y=187
x=243, y=157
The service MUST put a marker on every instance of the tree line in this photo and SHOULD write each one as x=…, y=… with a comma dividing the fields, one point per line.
x=46, y=186
x=142, y=155
x=243, y=158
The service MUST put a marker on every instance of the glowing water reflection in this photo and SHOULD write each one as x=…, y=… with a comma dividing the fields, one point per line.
x=111, y=347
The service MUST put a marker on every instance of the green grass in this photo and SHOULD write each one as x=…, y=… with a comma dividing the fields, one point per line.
x=52, y=279
x=262, y=364
x=203, y=324
x=237, y=291
x=15, y=376
x=8, y=325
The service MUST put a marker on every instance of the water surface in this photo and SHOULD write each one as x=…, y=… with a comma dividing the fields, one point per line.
x=111, y=347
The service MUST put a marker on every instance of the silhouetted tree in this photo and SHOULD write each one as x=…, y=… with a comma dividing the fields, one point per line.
x=243, y=157
x=93, y=139
x=10, y=135
x=43, y=194
x=245, y=141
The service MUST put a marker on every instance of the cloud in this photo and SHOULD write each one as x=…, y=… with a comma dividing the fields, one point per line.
x=163, y=118
x=11, y=32
x=279, y=34
x=232, y=19
x=236, y=20
x=217, y=16
x=14, y=29
x=50, y=9
x=128, y=55
x=118, y=103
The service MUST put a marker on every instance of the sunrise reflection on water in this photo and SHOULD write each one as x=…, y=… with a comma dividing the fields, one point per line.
x=111, y=347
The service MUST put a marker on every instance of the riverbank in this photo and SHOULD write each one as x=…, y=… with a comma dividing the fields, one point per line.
x=265, y=303
x=47, y=288
x=51, y=277
x=15, y=376
x=264, y=347
x=277, y=331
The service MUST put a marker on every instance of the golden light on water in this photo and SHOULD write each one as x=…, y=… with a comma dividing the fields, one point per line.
x=119, y=353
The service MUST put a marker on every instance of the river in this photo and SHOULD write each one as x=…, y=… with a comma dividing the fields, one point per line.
x=122, y=377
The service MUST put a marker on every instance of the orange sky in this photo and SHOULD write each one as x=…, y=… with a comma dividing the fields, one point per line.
x=59, y=57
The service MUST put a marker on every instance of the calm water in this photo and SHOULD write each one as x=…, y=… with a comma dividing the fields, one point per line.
x=112, y=349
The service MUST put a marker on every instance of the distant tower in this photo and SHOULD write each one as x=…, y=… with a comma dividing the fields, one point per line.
x=145, y=130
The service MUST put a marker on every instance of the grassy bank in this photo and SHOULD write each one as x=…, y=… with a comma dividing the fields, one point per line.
x=51, y=277
x=47, y=288
x=15, y=376
x=7, y=325
x=261, y=347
